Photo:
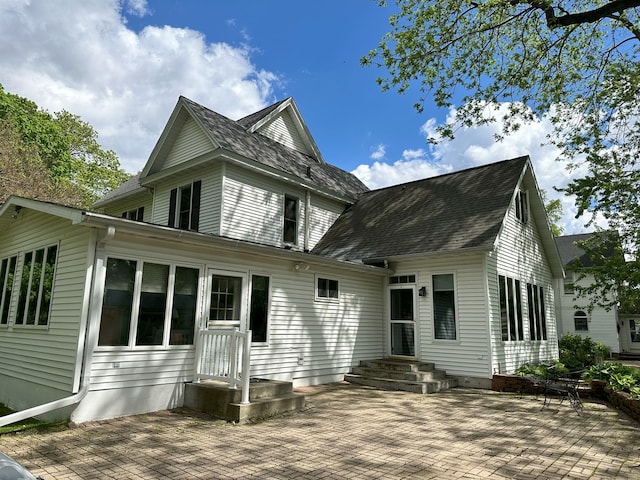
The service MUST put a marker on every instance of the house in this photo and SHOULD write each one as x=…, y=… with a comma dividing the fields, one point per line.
x=243, y=225
x=576, y=315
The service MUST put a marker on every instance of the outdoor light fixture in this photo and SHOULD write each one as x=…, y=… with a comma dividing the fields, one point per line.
x=422, y=292
x=301, y=266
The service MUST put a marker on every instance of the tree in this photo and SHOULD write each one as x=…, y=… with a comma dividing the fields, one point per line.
x=575, y=62
x=65, y=145
x=554, y=213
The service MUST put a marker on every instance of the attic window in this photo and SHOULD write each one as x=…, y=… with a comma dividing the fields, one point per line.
x=135, y=214
x=522, y=206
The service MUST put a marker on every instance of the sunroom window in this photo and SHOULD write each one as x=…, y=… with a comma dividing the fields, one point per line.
x=36, y=286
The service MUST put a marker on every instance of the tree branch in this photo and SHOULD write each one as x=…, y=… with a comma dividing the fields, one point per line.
x=591, y=16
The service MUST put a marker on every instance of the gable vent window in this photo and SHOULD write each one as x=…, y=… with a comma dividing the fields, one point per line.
x=135, y=214
x=184, y=207
x=522, y=206
x=290, y=228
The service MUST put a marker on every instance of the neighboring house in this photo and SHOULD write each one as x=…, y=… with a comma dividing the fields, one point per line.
x=576, y=315
x=243, y=224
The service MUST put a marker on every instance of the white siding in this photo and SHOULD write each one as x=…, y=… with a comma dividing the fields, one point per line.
x=307, y=339
x=602, y=323
x=46, y=356
x=469, y=354
x=190, y=143
x=520, y=255
x=133, y=202
x=282, y=129
x=210, y=196
x=321, y=216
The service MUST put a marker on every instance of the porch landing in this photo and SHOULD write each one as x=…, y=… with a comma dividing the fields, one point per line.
x=399, y=374
x=267, y=398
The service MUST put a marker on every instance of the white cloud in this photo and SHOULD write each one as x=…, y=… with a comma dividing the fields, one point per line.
x=80, y=56
x=477, y=146
x=378, y=153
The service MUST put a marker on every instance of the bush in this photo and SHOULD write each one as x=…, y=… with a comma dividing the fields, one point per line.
x=619, y=377
x=578, y=353
x=546, y=370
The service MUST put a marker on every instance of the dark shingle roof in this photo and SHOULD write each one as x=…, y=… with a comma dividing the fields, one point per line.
x=461, y=210
x=126, y=188
x=233, y=136
x=572, y=255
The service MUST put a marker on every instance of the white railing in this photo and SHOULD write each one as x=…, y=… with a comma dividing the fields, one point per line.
x=224, y=354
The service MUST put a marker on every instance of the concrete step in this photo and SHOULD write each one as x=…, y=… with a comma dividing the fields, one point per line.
x=399, y=365
x=267, y=398
x=415, y=376
x=403, y=385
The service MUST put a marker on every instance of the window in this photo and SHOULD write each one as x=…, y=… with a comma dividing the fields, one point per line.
x=511, y=309
x=184, y=207
x=290, y=227
x=226, y=295
x=7, y=274
x=444, y=311
x=327, y=288
x=537, y=317
x=36, y=286
x=568, y=284
x=259, y=314
x=138, y=308
x=402, y=279
x=522, y=206
x=135, y=214
x=580, y=321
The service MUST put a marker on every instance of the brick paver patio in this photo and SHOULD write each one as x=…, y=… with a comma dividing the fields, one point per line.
x=350, y=432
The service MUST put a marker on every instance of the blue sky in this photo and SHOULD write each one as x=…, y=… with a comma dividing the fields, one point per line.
x=121, y=65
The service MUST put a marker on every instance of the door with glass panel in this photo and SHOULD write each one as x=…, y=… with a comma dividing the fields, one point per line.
x=402, y=320
x=226, y=301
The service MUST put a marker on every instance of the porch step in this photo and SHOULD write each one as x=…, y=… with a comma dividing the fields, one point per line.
x=405, y=375
x=267, y=398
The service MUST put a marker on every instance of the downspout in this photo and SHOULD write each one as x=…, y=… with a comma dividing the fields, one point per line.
x=86, y=380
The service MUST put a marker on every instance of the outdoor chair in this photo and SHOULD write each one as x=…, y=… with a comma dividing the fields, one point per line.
x=565, y=387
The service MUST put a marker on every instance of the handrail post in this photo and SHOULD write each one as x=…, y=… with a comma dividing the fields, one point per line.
x=246, y=367
x=233, y=360
x=198, y=354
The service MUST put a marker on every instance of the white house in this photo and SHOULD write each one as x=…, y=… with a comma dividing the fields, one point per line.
x=575, y=314
x=243, y=224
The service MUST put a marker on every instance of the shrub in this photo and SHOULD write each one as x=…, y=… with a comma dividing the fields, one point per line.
x=578, y=353
x=619, y=377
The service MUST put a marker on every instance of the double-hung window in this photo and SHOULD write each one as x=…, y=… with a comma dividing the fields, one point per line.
x=581, y=321
x=510, y=309
x=569, y=284
x=36, y=286
x=184, y=207
x=290, y=226
x=444, y=307
x=148, y=304
x=537, y=316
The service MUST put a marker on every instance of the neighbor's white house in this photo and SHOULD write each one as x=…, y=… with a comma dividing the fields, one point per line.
x=243, y=224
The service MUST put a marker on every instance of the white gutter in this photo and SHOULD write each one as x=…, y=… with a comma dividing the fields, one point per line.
x=84, y=367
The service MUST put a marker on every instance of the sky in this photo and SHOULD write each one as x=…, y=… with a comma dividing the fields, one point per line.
x=122, y=64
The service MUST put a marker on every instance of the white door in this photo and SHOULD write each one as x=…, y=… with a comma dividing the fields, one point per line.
x=402, y=320
x=226, y=300
x=634, y=335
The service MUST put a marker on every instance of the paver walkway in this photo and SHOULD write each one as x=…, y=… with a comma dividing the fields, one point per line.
x=350, y=432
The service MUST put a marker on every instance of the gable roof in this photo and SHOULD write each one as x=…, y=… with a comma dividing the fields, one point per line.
x=241, y=141
x=572, y=255
x=463, y=210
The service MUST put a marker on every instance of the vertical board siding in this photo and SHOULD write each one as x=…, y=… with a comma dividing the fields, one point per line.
x=47, y=356
x=190, y=143
x=520, y=255
x=283, y=130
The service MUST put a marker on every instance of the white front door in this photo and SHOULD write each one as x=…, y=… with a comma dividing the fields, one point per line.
x=633, y=330
x=402, y=320
x=226, y=301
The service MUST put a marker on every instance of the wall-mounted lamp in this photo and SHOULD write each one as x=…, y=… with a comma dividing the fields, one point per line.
x=16, y=211
x=301, y=266
x=422, y=292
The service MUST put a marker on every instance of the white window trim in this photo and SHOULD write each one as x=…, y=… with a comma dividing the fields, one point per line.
x=140, y=261
x=457, y=340
x=315, y=288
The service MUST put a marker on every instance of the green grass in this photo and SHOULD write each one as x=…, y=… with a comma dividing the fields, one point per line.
x=28, y=424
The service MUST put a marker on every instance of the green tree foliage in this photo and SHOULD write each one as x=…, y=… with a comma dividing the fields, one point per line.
x=554, y=213
x=65, y=145
x=573, y=61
